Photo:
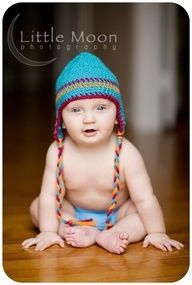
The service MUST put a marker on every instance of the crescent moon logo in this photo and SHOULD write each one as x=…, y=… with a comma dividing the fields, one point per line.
x=17, y=54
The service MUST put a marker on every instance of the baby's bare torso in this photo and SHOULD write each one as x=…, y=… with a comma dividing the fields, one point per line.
x=88, y=177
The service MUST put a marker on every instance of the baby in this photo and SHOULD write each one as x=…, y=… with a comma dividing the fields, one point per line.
x=95, y=187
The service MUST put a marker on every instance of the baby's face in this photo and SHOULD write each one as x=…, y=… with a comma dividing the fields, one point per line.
x=89, y=120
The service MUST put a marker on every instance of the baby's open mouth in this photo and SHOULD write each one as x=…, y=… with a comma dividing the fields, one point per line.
x=90, y=132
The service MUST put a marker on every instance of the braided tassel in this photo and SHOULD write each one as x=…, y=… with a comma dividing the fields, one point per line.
x=59, y=180
x=73, y=222
x=116, y=182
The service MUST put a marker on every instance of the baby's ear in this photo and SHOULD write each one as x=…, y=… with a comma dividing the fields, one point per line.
x=116, y=122
x=63, y=126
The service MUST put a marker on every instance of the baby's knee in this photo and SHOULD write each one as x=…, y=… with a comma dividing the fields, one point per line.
x=126, y=209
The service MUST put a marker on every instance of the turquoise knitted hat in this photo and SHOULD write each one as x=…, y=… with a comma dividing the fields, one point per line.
x=86, y=76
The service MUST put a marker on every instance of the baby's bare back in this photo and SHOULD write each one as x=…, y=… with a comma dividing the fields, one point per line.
x=88, y=178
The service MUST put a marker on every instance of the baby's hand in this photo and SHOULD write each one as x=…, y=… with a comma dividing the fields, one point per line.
x=161, y=241
x=44, y=240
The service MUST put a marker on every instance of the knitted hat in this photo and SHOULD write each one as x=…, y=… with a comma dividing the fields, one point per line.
x=86, y=76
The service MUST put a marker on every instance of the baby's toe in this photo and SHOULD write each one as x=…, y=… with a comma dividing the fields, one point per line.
x=70, y=243
x=122, y=249
x=118, y=251
x=124, y=236
x=124, y=245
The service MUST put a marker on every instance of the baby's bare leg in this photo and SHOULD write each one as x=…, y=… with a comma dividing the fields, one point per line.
x=34, y=210
x=129, y=219
x=129, y=228
x=75, y=236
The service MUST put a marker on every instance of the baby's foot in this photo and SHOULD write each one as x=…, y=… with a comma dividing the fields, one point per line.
x=80, y=236
x=113, y=241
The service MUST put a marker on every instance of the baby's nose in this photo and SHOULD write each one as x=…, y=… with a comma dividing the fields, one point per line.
x=88, y=117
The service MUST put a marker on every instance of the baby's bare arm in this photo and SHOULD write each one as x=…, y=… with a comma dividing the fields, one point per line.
x=141, y=191
x=147, y=205
x=47, y=206
x=48, y=223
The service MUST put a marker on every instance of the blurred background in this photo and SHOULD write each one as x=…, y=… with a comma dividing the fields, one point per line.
x=150, y=56
x=150, y=59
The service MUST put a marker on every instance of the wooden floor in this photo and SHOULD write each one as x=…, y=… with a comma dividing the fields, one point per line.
x=166, y=158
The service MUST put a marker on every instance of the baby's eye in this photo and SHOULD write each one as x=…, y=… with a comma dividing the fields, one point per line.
x=76, y=110
x=101, y=108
